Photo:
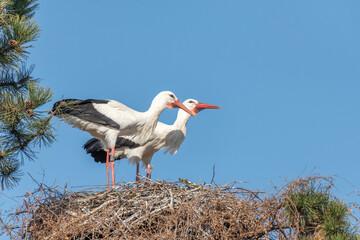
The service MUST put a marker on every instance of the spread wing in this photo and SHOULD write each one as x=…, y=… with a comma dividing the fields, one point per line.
x=108, y=113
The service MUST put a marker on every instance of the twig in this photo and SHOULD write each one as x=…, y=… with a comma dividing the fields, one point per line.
x=171, y=205
x=213, y=176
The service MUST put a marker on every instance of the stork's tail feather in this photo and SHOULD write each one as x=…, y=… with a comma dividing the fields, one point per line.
x=99, y=156
x=124, y=142
x=94, y=147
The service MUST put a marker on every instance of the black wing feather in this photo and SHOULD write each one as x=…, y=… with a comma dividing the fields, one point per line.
x=84, y=110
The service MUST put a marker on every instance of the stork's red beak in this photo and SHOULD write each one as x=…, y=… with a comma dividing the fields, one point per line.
x=182, y=106
x=201, y=106
x=206, y=106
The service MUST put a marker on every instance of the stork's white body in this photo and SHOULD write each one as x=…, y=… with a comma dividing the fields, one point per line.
x=165, y=136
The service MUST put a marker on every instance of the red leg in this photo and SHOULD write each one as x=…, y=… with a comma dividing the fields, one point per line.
x=107, y=167
x=151, y=168
x=112, y=163
x=137, y=172
x=148, y=171
x=112, y=172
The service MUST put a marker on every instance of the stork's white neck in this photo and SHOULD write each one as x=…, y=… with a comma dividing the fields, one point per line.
x=151, y=118
x=155, y=109
x=182, y=120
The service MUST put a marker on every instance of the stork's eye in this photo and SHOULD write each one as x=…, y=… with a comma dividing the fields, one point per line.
x=172, y=95
x=191, y=101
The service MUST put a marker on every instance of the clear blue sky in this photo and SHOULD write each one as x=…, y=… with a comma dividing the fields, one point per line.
x=286, y=74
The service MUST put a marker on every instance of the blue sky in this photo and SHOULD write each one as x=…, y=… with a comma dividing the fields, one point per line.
x=285, y=73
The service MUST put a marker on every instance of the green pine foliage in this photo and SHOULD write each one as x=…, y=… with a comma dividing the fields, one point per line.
x=23, y=126
x=24, y=8
x=17, y=31
x=321, y=215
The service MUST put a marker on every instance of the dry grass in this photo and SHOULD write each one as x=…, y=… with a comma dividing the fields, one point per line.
x=155, y=210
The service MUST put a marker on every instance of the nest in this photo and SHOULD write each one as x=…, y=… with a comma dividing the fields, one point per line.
x=152, y=210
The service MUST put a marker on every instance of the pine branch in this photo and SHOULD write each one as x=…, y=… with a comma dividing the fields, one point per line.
x=14, y=84
x=22, y=127
x=23, y=7
x=311, y=205
x=15, y=34
x=9, y=173
x=20, y=123
x=15, y=80
x=22, y=145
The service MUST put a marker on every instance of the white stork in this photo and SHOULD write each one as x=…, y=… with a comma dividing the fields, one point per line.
x=108, y=119
x=164, y=136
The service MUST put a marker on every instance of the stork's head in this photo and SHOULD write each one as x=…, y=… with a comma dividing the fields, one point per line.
x=196, y=106
x=169, y=100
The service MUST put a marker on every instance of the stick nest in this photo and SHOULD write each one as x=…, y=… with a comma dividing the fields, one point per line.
x=153, y=210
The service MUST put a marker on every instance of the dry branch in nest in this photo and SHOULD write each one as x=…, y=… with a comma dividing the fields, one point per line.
x=155, y=210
